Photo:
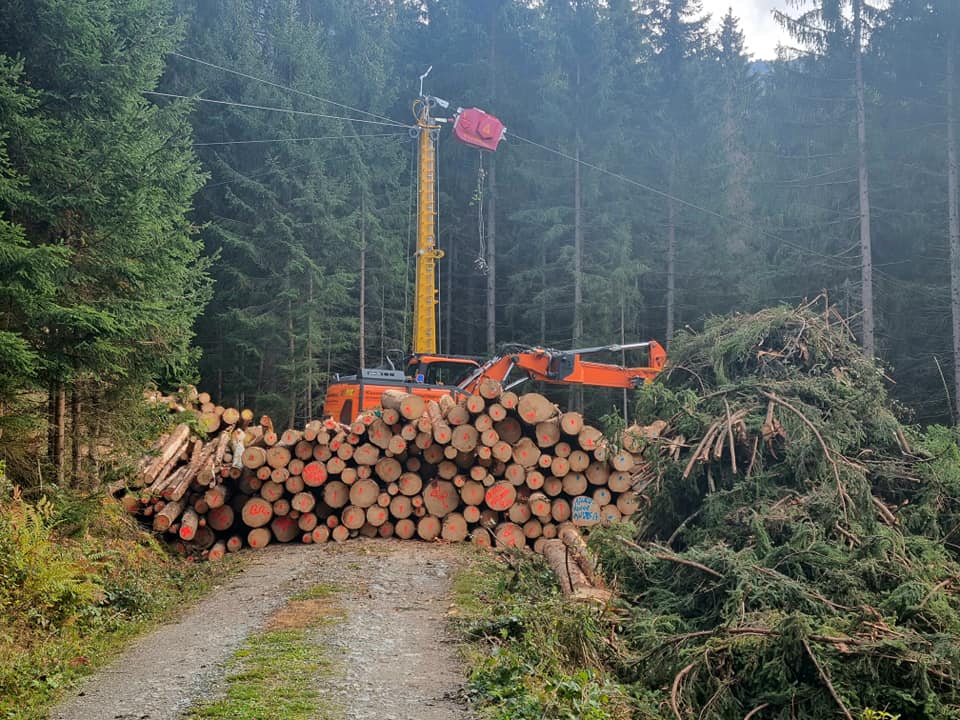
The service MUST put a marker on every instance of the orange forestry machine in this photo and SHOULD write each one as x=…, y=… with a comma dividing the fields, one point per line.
x=432, y=375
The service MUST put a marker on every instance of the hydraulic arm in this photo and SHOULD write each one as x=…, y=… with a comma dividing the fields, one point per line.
x=567, y=367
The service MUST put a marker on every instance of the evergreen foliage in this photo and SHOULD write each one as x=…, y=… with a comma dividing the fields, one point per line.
x=798, y=551
x=109, y=230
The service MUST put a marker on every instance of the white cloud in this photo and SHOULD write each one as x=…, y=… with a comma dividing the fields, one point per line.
x=756, y=20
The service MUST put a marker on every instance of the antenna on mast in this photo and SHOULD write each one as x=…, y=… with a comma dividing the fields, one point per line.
x=422, y=78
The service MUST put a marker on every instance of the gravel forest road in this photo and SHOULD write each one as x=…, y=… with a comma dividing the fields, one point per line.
x=394, y=657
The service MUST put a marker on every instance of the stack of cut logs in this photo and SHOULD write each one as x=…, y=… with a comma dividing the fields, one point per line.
x=494, y=468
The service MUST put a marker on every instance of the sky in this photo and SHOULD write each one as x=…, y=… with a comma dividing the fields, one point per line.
x=756, y=20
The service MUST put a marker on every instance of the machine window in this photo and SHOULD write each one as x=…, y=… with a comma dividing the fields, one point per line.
x=446, y=373
x=346, y=413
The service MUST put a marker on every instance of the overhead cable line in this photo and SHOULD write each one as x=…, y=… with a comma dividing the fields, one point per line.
x=302, y=139
x=290, y=111
x=668, y=196
x=288, y=89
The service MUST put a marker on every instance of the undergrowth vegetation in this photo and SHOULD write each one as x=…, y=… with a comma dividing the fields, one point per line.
x=797, y=556
x=531, y=655
x=77, y=576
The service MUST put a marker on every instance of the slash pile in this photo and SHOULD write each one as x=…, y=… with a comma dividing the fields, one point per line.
x=799, y=556
x=494, y=467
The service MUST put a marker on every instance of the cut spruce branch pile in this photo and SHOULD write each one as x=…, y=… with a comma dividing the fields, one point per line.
x=494, y=468
x=799, y=555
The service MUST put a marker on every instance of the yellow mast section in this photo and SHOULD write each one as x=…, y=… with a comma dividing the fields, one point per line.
x=426, y=293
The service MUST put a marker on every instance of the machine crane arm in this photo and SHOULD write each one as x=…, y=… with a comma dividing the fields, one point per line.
x=567, y=367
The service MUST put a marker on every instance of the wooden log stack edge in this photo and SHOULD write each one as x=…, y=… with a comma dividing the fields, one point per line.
x=492, y=468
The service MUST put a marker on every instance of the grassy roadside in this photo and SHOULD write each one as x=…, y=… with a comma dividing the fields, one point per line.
x=78, y=580
x=530, y=654
x=276, y=673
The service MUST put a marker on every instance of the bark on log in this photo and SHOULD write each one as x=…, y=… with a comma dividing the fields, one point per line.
x=258, y=538
x=303, y=502
x=428, y=527
x=165, y=518
x=284, y=529
x=221, y=518
x=353, y=517
x=409, y=406
x=572, y=580
x=440, y=498
x=489, y=388
x=454, y=528
x=363, y=494
x=519, y=513
x=534, y=408
x=439, y=427
x=481, y=537
x=526, y=452
x=377, y=515
x=307, y=522
x=405, y=528
x=465, y=438
x=472, y=493
x=509, y=534
x=175, y=444
x=256, y=512
x=500, y=496
x=315, y=473
x=401, y=507
x=336, y=494
x=457, y=415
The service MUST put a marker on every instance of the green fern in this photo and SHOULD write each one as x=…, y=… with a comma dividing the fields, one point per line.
x=39, y=579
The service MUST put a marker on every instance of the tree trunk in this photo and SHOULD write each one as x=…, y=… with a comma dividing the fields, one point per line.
x=671, y=251
x=491, y=240
x=866, y=266
x=576, y=391
x=491, y=220
x=363, y=280
x=448, y=268
x=309, y=361
x=75, y=436
x=293, y=366
x=60, y=432
x=953, y=174
x=94, y=441
x=544, y=283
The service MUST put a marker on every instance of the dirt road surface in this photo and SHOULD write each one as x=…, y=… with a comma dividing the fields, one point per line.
x=394, y=657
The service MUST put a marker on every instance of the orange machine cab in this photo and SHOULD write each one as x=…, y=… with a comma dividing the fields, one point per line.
x=430, y=376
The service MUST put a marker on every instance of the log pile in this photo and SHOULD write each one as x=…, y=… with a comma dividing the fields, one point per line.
x=493, y=468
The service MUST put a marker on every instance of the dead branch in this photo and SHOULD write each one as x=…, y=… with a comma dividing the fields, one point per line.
x=826, y=680
x=841, y=493
x=675, y=689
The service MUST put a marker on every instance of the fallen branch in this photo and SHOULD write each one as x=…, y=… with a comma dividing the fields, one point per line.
x=826, y=680
x=670, y=557
x=841, y=493
x=675, y=689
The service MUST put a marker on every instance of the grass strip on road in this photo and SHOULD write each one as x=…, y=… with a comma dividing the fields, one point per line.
x=277, y=673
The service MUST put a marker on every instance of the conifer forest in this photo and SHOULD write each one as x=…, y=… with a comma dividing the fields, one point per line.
x=222, y=191
x=209, y=212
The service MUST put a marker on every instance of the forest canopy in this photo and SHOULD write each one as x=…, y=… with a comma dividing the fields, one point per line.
x=198, y=191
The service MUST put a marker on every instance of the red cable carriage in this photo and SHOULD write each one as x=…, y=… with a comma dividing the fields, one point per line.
x=478, y=129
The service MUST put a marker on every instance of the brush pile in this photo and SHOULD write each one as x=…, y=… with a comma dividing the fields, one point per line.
x=799, y=556
x=495, y=468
